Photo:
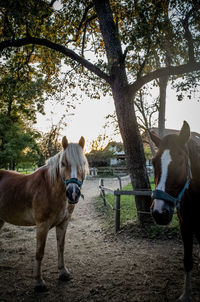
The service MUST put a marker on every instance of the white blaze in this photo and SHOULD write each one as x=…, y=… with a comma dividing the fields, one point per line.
x=165, y=161
x=73, y=172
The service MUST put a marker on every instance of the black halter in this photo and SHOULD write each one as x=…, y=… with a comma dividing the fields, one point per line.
x=73, y=181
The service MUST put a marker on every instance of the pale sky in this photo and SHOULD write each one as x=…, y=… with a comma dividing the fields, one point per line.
x=88, y=118
x=177, y=112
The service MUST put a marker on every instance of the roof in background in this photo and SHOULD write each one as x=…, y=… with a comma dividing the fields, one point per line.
x=194, y=135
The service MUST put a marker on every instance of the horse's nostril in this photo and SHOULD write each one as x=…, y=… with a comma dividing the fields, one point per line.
x=155, y=214
x=73, y=193
x=161, y=218
x=165, y=213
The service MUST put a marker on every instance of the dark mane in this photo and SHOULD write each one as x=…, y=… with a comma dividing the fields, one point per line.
x=194, y=150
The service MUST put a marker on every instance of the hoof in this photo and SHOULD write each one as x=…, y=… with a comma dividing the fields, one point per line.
x=40, y=287
x=64, y=275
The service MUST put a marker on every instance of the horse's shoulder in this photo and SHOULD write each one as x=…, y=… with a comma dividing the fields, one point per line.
x=40, y=176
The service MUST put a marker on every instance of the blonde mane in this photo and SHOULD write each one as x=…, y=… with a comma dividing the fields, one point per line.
x=74, y=156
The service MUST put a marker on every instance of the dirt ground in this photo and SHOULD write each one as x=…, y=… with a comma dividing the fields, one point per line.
x=105, y=267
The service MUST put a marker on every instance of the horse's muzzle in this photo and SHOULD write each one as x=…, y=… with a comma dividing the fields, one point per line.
x=73, y=193
x=162, y=215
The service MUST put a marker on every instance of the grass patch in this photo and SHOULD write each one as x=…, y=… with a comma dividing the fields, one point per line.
x=129, y=221
x=26, y=171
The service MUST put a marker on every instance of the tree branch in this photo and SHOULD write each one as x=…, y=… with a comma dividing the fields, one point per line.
x=165, y=71
x=83, y=21
x=62, y=49
x=109, y=32
x=189, y=39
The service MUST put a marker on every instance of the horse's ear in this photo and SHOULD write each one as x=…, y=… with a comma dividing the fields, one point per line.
x=82, y=142
x=184, y=134
x=155, y=138
x=64, y=142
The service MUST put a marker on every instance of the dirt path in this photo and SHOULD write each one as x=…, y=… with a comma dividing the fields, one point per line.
x=105, y=267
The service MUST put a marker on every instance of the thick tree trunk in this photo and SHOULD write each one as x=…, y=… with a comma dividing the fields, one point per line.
x=162, y=105
x=133, y=147
x=124, y=108
x=11, y=165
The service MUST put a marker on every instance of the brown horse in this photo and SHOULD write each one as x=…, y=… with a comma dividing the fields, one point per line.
x=177, y=180
x=46, y=199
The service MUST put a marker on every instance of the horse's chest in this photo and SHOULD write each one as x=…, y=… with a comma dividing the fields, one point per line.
x=64, y=213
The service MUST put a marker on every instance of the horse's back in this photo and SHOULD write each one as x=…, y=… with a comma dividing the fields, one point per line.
x=15, y=201
x=30, y=199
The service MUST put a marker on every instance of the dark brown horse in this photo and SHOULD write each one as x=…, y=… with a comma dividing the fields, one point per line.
x=177, y=180
x=46, y=199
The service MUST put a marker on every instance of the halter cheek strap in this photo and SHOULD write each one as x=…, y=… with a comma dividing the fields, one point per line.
x=175, y=201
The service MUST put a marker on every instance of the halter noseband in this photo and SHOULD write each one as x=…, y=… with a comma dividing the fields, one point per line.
x=79, y=183
x=175, y=201
x=73, y=181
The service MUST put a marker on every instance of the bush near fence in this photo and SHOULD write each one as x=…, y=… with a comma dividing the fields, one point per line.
x=111, y=171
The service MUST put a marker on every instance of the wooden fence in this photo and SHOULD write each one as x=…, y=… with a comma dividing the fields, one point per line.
x=118, y=194
x=113, y=170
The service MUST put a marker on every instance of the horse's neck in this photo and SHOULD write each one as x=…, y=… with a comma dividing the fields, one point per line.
x=51, y=179
x=194, y=154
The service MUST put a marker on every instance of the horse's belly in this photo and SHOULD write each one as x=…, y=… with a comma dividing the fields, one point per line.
x=23, y=218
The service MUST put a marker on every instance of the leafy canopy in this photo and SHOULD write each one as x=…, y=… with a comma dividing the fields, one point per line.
x=151, y=33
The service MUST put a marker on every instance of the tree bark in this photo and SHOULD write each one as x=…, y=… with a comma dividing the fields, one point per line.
x=133, y=147
x=125, y=111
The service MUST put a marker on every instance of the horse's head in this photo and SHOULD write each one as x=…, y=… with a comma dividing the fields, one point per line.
x=73, y=168
x=171, y=173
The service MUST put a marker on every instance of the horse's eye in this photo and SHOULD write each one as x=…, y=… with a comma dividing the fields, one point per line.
x=62, y=164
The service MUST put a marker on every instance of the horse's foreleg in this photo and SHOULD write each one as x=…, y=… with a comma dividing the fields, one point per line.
x=60, y=234
x=187, y=237
x=1, y=223
x=42, y=231
x=185, y=297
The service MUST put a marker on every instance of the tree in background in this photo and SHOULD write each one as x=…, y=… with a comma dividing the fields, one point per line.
x=99, y=143
x=99, y=158
x=18, y=145
x=124, y=38
x=21, y=96
x=50, y=142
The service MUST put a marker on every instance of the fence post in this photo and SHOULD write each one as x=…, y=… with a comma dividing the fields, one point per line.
x=120, y=182
x=102, y=191
x=117, y=213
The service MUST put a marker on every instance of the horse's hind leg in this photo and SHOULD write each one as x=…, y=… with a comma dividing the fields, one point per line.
x=41, y=231
x=1, y=223
x=60, y=234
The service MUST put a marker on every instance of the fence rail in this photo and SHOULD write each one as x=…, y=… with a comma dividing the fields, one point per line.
x=118, y=194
